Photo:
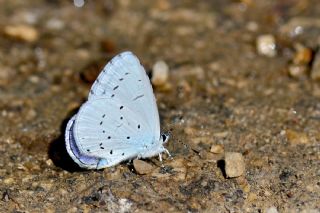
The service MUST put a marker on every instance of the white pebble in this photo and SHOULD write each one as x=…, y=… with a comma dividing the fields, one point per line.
x=266, y=45
x=234, y=164
x=78, y=3
x=272, y=209
x=160, y=73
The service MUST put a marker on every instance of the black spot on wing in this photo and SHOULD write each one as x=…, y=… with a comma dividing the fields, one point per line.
x=137, y=97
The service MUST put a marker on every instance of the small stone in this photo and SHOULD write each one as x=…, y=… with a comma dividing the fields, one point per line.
x=252, y=26
x=252, y=197
x=217, y=149
x=315, y=70
x=160, y=73
x=46, y=185
x=297, y=71
x=221, y=134
x=78, y=3
x=234, y=164
x=142, y=167
x=72, y=210
x=55, y=24
x=8, y=180
x=272, y=209
x=296, y=137
x=49, y=162
x=50, y=210
x=266, y=45
x=303, y=55
x=22, y=32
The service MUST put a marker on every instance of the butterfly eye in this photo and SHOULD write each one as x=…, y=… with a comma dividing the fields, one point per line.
x=164, y=137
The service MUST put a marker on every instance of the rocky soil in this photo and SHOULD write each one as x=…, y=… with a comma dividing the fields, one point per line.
x=241, y=100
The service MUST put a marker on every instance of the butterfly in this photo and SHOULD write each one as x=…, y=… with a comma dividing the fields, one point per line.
x=120, y=119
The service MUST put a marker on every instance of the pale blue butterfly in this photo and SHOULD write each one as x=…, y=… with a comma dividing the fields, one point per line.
x=119, y=121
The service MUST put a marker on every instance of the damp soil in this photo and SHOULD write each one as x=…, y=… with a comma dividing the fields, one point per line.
x=220, y=91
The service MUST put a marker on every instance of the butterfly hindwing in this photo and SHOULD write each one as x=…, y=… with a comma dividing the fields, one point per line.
x=72, y=148
x=105, y=128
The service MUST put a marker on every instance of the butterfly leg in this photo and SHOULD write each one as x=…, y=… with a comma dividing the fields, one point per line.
x=168, y=153
x=160, y=159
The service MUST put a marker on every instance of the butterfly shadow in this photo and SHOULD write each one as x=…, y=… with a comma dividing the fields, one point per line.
x=57, y=150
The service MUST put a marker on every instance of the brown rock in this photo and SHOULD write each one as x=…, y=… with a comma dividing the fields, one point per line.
x=22, y=32
x=142, y=167
x=217, y=149
x=234, y=164
x=296, y=137
x=303, y=55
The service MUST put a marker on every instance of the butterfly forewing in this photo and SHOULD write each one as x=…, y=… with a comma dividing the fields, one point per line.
x=125, y=78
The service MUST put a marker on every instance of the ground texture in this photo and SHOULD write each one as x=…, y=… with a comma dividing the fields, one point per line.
x=222, y=95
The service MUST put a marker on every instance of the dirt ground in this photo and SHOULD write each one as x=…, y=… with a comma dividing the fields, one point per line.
x=222, y=91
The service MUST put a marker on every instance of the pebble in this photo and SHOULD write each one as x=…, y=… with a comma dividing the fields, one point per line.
x=55, y=24
x=272, y=209
x=315, y=70
x=160, y=73
x=297, y=71
x=22, y=32
x=266, y=45
x=8, y=180
x=252, y=197
x=296, y=137
x=142, y=167
x=217, y=149
x=303, y=55
x=49, y=162
x=252, y=26
x=234, y=164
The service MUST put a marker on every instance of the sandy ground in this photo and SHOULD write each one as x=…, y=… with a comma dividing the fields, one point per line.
x=230, y=89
